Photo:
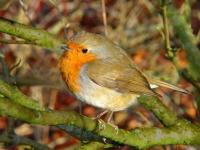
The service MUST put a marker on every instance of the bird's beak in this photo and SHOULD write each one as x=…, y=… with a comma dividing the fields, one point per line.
x=64, y=47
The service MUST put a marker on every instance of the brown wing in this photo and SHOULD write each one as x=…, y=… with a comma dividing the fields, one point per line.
x=123, y=77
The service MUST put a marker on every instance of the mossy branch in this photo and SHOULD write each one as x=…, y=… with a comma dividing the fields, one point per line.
x=33, y=35
x=177, y=132
x=14, y=94
x=19, y=140
x=154, y=105
x=93, y=146
x=188, y=40
x=184, y=31
x=182, y=132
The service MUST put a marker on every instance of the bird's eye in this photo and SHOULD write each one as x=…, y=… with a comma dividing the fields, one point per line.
x=84, y=50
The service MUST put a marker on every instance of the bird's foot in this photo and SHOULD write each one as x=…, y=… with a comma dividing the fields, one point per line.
x=102, y=125
x=109, y=121
x=100, y=121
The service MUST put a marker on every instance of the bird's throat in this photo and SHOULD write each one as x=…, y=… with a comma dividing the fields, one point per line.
x=70, y=66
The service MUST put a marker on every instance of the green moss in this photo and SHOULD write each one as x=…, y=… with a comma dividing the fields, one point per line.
x=36, y=36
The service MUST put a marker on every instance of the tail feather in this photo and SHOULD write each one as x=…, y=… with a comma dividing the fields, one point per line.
x=167, y=85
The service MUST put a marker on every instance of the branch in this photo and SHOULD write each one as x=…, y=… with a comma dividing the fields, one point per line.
x=14, y=94
x=18, y=140
x=170, y=52
x=180, y=24
x=182, y=132
x=74, y=123
x=37, y=36
x=154, y=105
x=94, y=146
x=184, y=32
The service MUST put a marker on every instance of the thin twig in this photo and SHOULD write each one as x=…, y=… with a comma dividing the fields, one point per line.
x=170, y=53
x=104, y=17
x=25, y=9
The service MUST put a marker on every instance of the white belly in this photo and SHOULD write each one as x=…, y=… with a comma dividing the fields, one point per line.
x=103, y=97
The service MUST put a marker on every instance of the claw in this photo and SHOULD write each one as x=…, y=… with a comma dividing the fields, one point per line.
x=109, y=121
x=100, y=121
x=101, y=124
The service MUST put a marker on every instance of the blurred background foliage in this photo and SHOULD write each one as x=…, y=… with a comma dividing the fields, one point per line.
x=136, y=25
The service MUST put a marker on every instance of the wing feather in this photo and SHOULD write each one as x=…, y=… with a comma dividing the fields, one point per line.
x=123, y=77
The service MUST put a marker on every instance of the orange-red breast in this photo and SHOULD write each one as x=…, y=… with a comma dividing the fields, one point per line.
x=100, y=73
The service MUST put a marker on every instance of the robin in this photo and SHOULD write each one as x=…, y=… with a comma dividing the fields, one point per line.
x=100, y=73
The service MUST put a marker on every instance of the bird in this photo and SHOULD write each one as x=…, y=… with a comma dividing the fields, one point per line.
x=100, y=73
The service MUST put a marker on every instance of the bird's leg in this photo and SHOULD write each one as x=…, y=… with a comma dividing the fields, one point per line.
x=101, y=123
x=110, y=121
x=110, y=117
x=80, y=108
x=100, y=115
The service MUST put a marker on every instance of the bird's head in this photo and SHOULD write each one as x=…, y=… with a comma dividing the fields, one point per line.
x=87, y=47
x=80, y=50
